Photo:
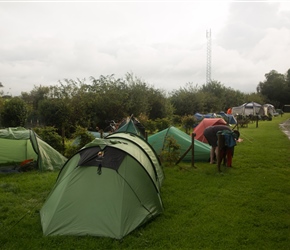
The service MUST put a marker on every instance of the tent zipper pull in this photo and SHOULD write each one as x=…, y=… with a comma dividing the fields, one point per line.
x=100, y=169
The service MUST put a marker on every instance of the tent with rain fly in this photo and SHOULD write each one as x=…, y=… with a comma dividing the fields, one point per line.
x=158, y=140
x=145, y=146
x=230, y=119
x=132, y=125
x=108, y=189
x=200, y=117
x=268, y=109
x=247, y=109
x=19, y=145
x=206, y=122
x=127, y=125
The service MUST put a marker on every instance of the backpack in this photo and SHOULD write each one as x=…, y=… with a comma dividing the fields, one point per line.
x=230, y=138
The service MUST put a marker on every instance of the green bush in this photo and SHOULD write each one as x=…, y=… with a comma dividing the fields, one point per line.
x=50, y=136
x=150, y=126
x=188, y=122
x=171, y=151
x=162, y=124
x=82, y=137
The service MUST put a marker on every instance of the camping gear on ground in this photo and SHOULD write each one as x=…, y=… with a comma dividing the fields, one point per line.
x=18, y=145
x=108, y=188
x=158, y=141
x=206, y=122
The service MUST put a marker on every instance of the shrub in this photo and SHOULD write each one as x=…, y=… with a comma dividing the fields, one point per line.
x=150, y=126
x=50, y=136
x=188, y=122
x=171, y=151
x=83, y=137
x=162, y=124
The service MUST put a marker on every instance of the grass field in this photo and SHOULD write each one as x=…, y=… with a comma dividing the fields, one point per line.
x=245, y=207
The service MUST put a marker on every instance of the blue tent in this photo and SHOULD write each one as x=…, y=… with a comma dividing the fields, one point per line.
x=230, y=119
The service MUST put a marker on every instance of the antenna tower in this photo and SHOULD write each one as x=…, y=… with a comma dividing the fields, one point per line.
x=208, y=57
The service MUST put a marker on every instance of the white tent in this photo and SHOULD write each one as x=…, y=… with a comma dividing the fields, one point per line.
x=250, y=108
x=268, y=109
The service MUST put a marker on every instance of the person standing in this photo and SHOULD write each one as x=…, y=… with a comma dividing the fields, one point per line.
x=229, y=111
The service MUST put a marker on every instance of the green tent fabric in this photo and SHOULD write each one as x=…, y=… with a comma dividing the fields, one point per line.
x=146, y=147
x=201, y=150
x=132, y=125
x=107, y=189
x=19, y=144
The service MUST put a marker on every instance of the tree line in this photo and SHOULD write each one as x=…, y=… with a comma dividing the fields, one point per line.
x=93, y=104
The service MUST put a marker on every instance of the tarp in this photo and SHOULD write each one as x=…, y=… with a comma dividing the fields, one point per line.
x=158, y=140
x=19, y=144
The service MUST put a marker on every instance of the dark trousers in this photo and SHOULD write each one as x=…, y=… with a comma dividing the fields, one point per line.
x=227, y=156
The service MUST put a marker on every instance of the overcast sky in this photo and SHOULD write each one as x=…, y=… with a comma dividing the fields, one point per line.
x=163, y=43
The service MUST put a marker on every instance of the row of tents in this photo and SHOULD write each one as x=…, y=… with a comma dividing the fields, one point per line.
x=108, y=188
x=29, y=146
x=18, y=145
x=254, y=108
x=228, y=118
x=246, y=109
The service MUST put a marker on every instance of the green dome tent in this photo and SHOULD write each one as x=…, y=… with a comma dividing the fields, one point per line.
x=201, y=150
x=107, y=189
x=19, y=144
x=146, y=147
x=133, y=126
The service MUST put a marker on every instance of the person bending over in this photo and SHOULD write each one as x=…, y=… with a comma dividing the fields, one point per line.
x=210, y=133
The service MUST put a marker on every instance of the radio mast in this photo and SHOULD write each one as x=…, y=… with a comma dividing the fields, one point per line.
x=208, y=57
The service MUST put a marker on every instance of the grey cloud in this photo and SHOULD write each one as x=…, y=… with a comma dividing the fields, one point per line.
x=247, y=24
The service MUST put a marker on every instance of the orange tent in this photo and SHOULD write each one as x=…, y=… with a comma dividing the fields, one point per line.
x=206, y=122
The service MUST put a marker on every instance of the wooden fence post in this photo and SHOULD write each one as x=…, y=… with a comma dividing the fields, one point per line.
x=192, y=149
x=221, y=144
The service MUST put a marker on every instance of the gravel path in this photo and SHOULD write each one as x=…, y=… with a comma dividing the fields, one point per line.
x=285, y=127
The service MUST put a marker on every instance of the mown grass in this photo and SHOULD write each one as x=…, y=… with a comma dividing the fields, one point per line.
x=246, y=207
